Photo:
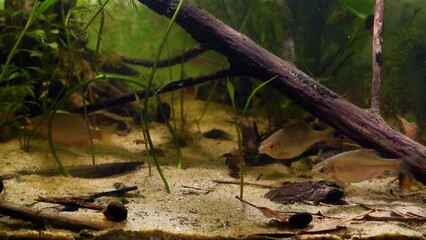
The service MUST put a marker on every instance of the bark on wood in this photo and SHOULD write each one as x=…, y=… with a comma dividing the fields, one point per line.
x=377, y=55
x=246, y=57
x=186, y=56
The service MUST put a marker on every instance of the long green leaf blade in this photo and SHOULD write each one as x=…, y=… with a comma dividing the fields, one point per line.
x=254, y=92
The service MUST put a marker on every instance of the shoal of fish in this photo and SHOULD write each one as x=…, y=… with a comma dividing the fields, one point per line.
x=348, y=167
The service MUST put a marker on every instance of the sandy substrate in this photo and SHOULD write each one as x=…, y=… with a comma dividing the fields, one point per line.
x=196, y=206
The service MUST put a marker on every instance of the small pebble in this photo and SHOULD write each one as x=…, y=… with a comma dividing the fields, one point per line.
x=115, y=211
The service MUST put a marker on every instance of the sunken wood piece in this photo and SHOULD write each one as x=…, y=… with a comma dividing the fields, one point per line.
x=56, y=219
x=186, y=56
x=247, y=58
x=377, y=55
x=182, y=83
x=82, y=171
x=78, y=203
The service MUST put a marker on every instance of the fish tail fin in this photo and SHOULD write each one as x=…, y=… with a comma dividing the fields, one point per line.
x=405, y=182
x=404, y=168
x=410, y=171
x=406, y=175
x=106, y=133
x=330, y=139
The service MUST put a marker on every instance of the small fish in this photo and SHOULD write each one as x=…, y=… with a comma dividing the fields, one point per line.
x=411, y=129
x=291, y=141
x=354, y=166
x=68, y=129
x=336, y=16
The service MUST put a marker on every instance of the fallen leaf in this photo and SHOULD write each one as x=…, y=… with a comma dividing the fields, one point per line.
x=267, y=212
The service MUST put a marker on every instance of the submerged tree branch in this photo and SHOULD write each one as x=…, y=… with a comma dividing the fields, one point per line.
x=377, y=55
x=186, y=56
x=363, y=126
x=56, y=219
x=187, y=82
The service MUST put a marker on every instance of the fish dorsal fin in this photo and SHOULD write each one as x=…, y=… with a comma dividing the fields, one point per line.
x=374, y=154
x=368, y=152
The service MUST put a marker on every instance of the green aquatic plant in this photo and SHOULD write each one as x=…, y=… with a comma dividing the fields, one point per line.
x=74, y=58
x=80, y=86
x=149, y=89
x=17, y=78
x=37, y=10
x=238, y=121
x=172, y=131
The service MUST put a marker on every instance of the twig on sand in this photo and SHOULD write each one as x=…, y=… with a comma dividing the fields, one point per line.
x=246, y=183
x=76, y=202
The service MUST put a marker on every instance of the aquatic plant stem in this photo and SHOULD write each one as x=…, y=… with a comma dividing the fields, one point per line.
x=181, y=93
x=62, y=101
x=238, y=120
x=148, y=89
x=174, y=136
x=144, y=135
x=241, y=154
x=99, y=36
x=96, y=14
x=52, y=146
x=377, y=55
x=12, y=53
x=172, y=129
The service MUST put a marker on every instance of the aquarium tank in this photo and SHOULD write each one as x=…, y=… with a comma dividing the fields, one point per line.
x=212, y=119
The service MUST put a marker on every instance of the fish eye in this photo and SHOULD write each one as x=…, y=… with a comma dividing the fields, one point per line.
x=271, y=145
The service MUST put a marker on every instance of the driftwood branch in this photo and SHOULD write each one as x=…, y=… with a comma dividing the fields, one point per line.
x=83, y=171
x=117, y=192
x=245, y=56
x=57, y=219
x=377, y=55
x=186, y=56
x=187, y=82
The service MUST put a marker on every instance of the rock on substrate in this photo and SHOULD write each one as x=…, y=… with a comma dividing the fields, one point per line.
x=322, y=191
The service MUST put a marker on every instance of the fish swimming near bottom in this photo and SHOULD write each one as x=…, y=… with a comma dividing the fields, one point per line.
x=68, y=129
x=355, y=166
x=291, y=141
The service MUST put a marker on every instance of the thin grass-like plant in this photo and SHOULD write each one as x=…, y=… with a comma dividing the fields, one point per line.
x=144, y=135
x=149, y=88
x=172, y=129
x=238, y=121
x=62, y=101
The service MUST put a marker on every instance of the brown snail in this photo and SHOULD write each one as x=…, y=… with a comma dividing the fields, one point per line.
x=115, y=211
